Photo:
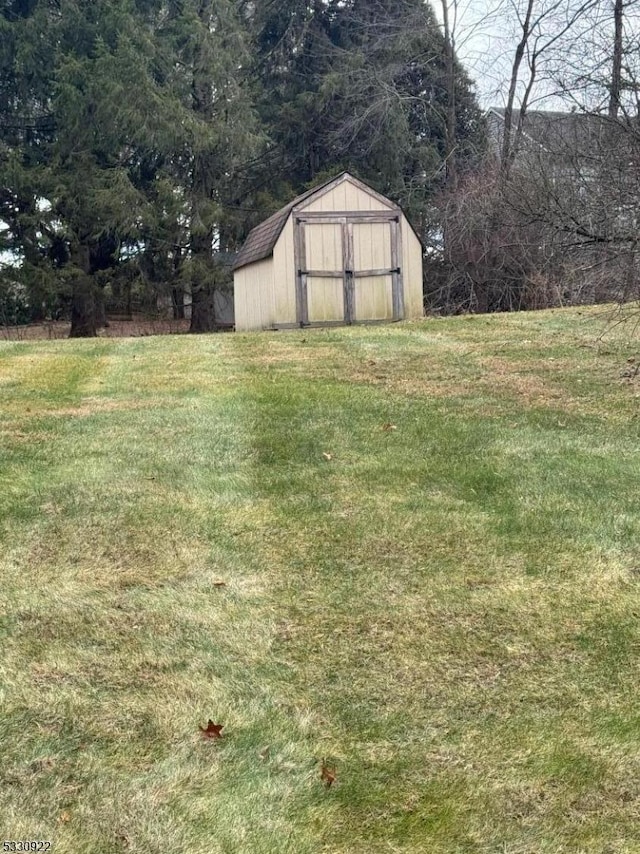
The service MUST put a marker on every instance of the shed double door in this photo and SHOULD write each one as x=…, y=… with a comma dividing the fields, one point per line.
x=348, y=269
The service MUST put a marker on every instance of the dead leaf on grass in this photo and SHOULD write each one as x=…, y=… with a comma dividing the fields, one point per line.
x=211, y=730
x=44, y=764
x=264, y=753
x=327, y=455
x=219, y=583
x=388, y=428
x=64, y=817
x=327, y=775
x=123, y=839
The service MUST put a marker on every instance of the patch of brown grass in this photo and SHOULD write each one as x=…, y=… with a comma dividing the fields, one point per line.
x=97, y=405
x=59, y=329
x=503, y=377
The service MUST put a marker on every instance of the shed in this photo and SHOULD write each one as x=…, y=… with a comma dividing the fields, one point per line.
x=338, y=254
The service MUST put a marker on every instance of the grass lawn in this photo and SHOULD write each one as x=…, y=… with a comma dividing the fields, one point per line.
x=229, y=527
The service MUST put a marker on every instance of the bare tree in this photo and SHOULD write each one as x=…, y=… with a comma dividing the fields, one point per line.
x=616, y=71
x=449, y=28
x=553, y=219
x=542, y=26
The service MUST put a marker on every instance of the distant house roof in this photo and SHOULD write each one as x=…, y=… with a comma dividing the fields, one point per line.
x=262, y=239
x=558, y=133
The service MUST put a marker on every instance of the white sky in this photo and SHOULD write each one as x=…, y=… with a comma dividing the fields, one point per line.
x=482, y=45
x=486, y=34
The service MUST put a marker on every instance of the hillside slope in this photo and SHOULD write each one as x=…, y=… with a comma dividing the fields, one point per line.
x=410, y=552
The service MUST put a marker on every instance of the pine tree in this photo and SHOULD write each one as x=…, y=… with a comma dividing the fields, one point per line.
x=147, y=124
x=361, y=85
x=26, y=130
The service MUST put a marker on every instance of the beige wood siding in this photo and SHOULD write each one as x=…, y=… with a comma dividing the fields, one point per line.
x=323, y=250
x=346, y=197
x=323, y=243
x=372, y=295
x=253, y=296
x=284, y=277
x=371, y=245
x=325, y=299
x=412, y=272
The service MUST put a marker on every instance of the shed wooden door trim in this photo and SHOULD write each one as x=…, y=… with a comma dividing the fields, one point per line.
x=350, y=272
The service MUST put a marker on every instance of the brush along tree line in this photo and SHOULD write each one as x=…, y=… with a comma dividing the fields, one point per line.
x=550, y=217
x=140, y=141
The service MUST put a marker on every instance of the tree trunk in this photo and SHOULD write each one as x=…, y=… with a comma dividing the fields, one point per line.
x=202, y=308
x=616, y=71
x=83, y=302
x=101, y=309
x=450, y=71
x=83, y=309
x=203, y=314
x=506, y=156
x=177, y=303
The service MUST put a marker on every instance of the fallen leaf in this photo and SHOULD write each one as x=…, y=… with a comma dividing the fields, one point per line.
x=42, y=764
x=327, y=775
x=123, y=839
x=264, y=753
x=219, y=583
x=212, y=730
x=389, y=427
x=327, y=455
x=65, y=817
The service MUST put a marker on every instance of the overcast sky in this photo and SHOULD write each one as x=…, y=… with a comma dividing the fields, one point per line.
x=482, y=45
x=486, y=35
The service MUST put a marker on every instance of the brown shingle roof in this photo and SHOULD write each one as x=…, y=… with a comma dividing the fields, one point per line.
x=261, y=240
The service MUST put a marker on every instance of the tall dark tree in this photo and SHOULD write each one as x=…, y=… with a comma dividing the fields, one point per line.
x=361, y=86
x=220, y=135
x=26, y=131
x=143, y=107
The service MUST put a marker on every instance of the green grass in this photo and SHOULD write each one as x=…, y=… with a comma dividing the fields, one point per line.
x=447, y=612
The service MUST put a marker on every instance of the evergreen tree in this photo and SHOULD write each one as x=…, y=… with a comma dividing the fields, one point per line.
x=26, y=131
x=146, y=123
x=208, y=40
x=361, y=85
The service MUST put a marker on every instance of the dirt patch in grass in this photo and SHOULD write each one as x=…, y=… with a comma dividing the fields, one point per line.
x=85, y=409
x=411, y=384
x=297, y=354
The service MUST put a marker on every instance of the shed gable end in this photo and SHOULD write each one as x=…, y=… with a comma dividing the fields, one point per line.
x=345, y=194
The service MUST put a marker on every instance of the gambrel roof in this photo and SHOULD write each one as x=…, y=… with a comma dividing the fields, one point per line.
x=263, y=238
